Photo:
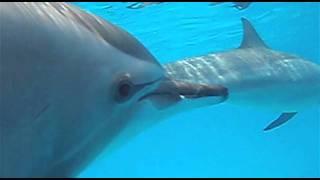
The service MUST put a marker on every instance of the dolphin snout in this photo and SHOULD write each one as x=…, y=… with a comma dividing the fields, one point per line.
x=171, y=91
x=199, y=90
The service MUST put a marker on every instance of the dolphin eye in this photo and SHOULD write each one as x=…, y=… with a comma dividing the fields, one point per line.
x=125, y=89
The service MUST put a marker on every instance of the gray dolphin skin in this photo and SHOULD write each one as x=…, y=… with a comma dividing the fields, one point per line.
x=256, y=76
x=71, y=85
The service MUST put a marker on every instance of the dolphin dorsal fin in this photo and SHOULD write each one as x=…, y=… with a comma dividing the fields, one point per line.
x=251, y=38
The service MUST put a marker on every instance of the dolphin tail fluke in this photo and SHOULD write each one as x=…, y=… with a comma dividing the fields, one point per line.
x=283, y=118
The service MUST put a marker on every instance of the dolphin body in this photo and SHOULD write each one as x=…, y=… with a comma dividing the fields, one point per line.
x=256, y=75
x=71, y=85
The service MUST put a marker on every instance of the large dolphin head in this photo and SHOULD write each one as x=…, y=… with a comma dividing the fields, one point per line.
x=70, y=84
x=69, y=81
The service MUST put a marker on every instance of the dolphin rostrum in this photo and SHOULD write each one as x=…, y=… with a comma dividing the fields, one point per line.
x=70, y=86
x=256, y=75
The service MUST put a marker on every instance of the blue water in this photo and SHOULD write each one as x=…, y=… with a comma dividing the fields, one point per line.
x=221, y=140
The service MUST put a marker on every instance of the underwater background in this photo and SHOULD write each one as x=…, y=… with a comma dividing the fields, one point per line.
x=221, y=140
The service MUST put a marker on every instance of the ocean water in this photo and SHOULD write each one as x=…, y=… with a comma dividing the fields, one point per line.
x=221, y=140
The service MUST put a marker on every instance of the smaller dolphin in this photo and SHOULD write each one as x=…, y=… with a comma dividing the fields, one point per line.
x=256, y=75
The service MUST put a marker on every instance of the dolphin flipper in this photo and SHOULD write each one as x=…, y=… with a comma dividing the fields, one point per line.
x=283, y=118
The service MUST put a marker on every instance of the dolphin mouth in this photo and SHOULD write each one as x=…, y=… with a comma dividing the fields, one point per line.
x=148, y=83
x=171, y=91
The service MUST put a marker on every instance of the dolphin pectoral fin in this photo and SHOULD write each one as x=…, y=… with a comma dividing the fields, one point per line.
x=283, y=118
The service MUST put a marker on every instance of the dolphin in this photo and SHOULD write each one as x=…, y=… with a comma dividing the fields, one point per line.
x=70, y=86
x=256, y=75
